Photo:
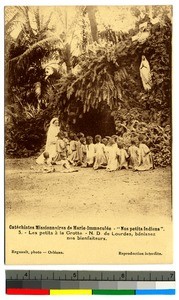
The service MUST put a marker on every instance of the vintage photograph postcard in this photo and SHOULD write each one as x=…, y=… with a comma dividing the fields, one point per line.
x=88, y=163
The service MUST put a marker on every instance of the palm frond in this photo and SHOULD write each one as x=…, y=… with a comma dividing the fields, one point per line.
x=42, y=44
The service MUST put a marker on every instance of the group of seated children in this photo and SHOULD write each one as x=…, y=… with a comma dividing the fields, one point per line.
x=108, y=153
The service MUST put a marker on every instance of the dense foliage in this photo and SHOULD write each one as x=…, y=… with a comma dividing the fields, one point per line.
x=107, y=72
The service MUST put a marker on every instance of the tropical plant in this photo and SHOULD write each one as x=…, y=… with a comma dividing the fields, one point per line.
x=107, y=73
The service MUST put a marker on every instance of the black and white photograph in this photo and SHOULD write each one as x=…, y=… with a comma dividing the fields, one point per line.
x=88, y=135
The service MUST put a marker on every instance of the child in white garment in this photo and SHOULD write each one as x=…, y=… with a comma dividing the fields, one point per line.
x=145, y=156
x=112, y=155
x=90, y=151
x=100, y=156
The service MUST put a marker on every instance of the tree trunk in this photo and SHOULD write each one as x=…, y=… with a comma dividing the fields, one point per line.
x=91, y=10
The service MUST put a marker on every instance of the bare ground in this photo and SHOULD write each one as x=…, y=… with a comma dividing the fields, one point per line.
x=87, y=198
x=38, y=195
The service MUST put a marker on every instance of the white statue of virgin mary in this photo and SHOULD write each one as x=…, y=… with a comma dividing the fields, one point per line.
x=145, y=74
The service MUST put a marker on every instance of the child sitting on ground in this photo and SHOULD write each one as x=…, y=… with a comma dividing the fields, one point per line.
x=133, y=152
x=105, y=141
x=66, y=140
x=47, y=165
x=145, y=156
x=123, y=156
x=112, y=155
x=72, y=150
x=61, y=158
x=83, y=152
x=90, y=151
x=61, y=148
x=100, y=156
